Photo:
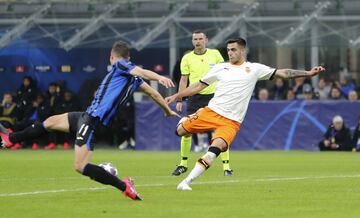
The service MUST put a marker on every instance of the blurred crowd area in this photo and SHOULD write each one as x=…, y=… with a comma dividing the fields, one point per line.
x=302, y=88
x=28, y=104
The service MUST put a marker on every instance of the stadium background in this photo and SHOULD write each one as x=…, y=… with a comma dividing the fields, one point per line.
x=69, y=42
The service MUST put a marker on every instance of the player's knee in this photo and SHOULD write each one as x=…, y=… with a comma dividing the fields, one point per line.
x=50, y=122
x=220, y=143
x=225, y=148
x=180, y=131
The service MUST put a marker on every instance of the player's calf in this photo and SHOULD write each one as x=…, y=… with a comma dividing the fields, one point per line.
x=207, y=159
x=31, y=132
x=100, y=175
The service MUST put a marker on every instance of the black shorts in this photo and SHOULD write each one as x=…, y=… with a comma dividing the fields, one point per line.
x=84, y=127
x=197, y=101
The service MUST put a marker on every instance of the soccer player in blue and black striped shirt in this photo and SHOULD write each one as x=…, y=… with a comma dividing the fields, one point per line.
x=114, y=91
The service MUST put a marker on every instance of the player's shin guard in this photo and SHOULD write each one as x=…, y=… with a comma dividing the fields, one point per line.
x=203, y=163
x=100, y=175
x=36, y=130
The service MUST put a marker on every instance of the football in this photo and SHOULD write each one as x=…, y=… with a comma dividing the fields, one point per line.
x=110, y=168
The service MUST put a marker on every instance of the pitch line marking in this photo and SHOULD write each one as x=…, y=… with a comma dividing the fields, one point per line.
x=174, y=184
x=69, y=178
x=51, y=191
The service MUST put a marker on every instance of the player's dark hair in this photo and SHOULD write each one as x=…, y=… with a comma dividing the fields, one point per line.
x=121, y=49
x=199, y=31
x=240, y=41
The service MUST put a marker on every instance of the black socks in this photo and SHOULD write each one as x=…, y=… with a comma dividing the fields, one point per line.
x=31, y=132
x=100, y=175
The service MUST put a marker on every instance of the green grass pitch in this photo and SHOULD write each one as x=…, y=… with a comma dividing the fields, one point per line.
x=266, y=184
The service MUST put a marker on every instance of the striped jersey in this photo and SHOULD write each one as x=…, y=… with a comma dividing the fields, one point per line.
x=115, y=89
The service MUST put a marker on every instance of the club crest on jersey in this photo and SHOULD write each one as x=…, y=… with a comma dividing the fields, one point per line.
x=247, y=69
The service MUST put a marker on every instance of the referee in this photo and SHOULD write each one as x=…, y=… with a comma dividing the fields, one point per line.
x=194, y=65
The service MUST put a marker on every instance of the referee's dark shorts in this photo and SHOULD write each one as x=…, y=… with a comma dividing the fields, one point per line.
x=196, y=102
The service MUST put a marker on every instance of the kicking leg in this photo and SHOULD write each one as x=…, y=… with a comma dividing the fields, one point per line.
x=225, y=132
x=204, y=163
x=84, y=136
x=99, y=174
x=57, y=122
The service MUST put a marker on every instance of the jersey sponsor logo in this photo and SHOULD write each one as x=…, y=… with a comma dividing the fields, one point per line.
x=79, y=138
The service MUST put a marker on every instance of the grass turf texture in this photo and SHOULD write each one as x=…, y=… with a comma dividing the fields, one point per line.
x=265, y=184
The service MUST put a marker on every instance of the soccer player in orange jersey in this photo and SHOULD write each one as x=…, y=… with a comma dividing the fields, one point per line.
x=226, y=110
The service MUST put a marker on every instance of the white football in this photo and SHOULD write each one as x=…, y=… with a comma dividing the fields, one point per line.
x=110, y=168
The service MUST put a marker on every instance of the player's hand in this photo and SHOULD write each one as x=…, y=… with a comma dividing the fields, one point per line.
x=316, y=70
x=172, y=113
x=179, y=106
x=170, y=99
x=166, y=82
x=326, y=143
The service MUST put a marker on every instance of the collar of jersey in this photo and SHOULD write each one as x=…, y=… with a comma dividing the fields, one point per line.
x=200, y=54
x=235, y=65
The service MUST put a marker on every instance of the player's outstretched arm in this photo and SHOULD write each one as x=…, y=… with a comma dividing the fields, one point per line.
x=189, y=91
x=290, y=73
x=155, y=95
x=150, y=75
